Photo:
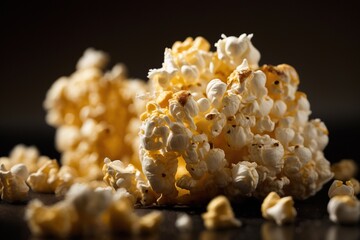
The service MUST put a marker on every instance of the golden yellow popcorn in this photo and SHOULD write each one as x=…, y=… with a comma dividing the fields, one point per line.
x=21, y=154
x=220, y=215
x=87, y=211
x=220, y=124
x=345, y=169
x=281, y=210
x=95, y=114
x=13, y=186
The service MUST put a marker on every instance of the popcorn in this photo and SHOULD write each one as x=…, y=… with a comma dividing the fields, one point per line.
x=254, y=126
x=93, y=112
x=338, y=188
x=13, y=186
x=345, y=169
x=45, y=179
x=184, y=222
x=280, y=210
x=88, y=211
x=233, y=50
x=356, y=185
x=219, y=215
x=21, y=154
x=344, y=209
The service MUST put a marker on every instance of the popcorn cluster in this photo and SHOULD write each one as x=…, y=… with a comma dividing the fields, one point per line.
x=217, y=123
x=95, y=115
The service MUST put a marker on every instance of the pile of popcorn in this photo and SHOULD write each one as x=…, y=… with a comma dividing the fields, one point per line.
x=207, y=123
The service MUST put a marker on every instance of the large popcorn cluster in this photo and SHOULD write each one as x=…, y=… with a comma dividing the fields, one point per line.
x=217, y=123
x=95, y=115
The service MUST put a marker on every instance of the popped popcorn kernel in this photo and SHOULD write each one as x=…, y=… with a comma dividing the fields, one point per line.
x=345, y=169
x=338, y=188
x=220, y=215
x=344, y=209
x=13, y=186
x=281, y=210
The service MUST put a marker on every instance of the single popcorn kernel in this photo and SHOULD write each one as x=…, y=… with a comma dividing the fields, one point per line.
x=338, y=188
x=13, y=186
x=345, y=169
x=281, y=210
x=344, y=209
x=220, y=215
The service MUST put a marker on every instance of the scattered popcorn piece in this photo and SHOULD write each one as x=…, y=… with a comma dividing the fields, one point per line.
x=29, y=156
x=149, y=223
x=13, y=186
x=344, y=209
x=281, y=210
x=86, y=210
x=44, y=180
x=184, y=222
x=338, y=188
x=58, y=220
x=220, y=215
x=356, y=185
x=345, y=169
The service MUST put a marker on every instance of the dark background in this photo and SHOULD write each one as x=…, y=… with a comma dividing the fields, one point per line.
x=41, y=41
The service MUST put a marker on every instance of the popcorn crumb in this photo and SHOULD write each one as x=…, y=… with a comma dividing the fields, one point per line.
x=184, y=222
x=220, y=215
x=344, y=209
x=281, y=210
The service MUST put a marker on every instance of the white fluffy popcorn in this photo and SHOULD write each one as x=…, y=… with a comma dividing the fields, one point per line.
x=13, y=186
x=338, y=188
x=344, y=209
x=220, y=215
x=281, y=210
x=256, y=136
x=233, y=50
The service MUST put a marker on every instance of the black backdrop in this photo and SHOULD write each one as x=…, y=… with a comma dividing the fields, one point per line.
x=41, y=41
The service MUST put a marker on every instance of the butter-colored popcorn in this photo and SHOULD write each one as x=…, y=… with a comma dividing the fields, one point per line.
x=338, y=188
x=220, y=215
x=89, y=211
x=45, y=178
x=149, y=223
x=57, y=220
x=21, y=154
x=281, y=210
x=345, y=169
x=242, y=114
x=13, y=186
x=184, y=223
x=356, y=185
x=93, y=112
x=344, y=209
